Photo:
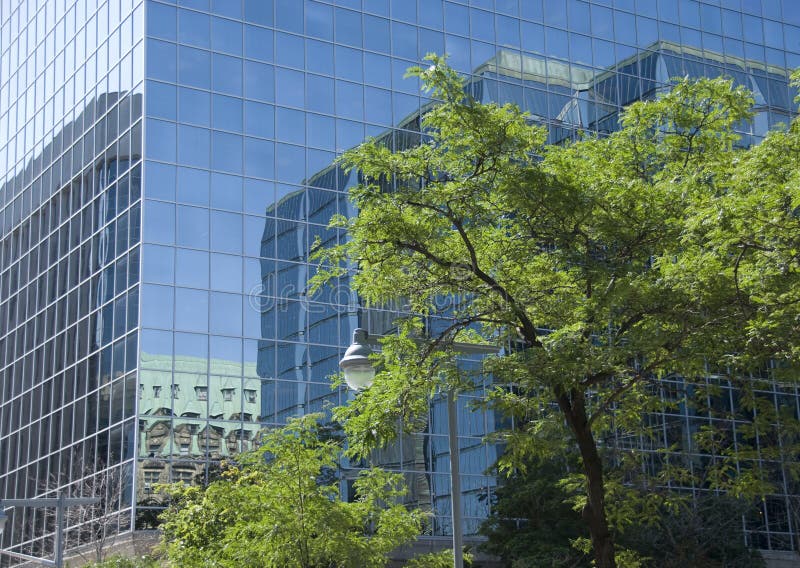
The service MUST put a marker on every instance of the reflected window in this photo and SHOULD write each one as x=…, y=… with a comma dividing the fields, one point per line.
x=227, y=394
x=250, y=395
x=201, y=392
x=156, y=391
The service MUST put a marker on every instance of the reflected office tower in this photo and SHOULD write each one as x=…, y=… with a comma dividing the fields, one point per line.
x=168, y=167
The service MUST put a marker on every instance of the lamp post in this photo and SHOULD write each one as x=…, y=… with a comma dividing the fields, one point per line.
x=359, y=372
x=60, y=503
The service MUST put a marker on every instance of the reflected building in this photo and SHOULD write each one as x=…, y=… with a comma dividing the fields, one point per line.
x=168, y=167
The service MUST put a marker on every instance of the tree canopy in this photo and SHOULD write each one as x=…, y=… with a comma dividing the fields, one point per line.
x=280, y=507
x=600, y=266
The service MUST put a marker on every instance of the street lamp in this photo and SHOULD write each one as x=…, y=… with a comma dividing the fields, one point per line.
x=356, y=366
x=60, y=504
x=359, y=373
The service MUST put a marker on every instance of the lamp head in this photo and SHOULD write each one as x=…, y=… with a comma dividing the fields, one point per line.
x=356, y=365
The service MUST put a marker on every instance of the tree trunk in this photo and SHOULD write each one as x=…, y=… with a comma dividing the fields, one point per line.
x=573, y=405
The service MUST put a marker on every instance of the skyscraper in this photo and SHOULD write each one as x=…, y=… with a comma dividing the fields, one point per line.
x=168, y=167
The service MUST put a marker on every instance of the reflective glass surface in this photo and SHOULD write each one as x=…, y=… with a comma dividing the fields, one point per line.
x=72, y=92
x=246, y=104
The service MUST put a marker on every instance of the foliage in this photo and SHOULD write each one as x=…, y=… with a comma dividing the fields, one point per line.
x=280, y=507
x=118, y=561
x=534, y=523
x=607, y=264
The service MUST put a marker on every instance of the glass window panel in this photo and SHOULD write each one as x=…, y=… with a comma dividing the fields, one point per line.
x=322, y=131
x=226, y=232
x=194, y=106
x=404, y=40
x=254, y=226
x=161, y=21
x=226, y=273
x=159, y=222
x=431, y=15
x=349, y=63
x=226, y=355
x=320, y=94
x=258, y=195
x=192, y=229
x=319, y=20
x=157, y=306
x=320, y=56
x=226, y=35
x=227, y=152
x=226, y=314
x=259, y=158
x=194, y=145
x=194, y=67
x=349, y=100
x=227, y=8
x=161, y=57
x=290, y=162
x=226, y=191
x=404, y=10
x=161, y=140
x=378, y=106
x=227, y=113
x=456, y=19
x=259, y=81
x=377, y=69
x=289, y=87
x=376, y=34
x=290, y=125
x=289, y=15
x=160, y=181
x=193, y=186
x=158, y=343
x=258, y=43
x=348, y=27
x=227, y=74
x=259, y=119
x=459, y=50
x=259, y=11
x=289, y=50
x=194, y=28
x=159, y=264
x=162, y=100
x=191, y=268
x=191, y=310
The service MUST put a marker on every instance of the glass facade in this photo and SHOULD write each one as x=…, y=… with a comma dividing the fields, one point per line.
x=168, y=167
x=70, y=155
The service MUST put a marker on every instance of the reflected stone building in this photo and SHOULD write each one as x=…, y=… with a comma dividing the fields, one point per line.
x=166, y=171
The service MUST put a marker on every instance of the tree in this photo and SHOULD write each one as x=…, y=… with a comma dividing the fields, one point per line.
x=93, y=529
x=606, y=264
x=533, y=523
x=280, y=507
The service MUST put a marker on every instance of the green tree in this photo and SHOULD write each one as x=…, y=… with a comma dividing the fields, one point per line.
x=281, y=508
x=533, y=523
x=607, y=263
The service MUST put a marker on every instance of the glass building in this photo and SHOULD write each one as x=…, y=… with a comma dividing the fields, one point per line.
x=167, y=167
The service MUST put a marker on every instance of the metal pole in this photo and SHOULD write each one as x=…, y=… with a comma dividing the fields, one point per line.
x=455, y=478
x=59, y=552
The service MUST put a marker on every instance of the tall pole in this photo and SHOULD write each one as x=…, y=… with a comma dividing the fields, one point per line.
x=58, y=555
x=455, y=478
